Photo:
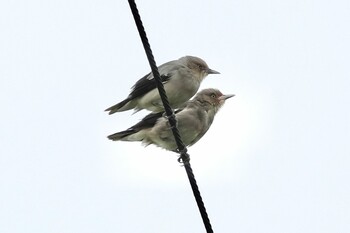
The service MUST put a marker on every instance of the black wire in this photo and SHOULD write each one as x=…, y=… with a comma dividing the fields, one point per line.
x=198, y=198
x=184, y=157
x=169, y=112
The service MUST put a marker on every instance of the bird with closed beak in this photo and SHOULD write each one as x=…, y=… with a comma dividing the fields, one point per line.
x=181, y=79
x=193, y=121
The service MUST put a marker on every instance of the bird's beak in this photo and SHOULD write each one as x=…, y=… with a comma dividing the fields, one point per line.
x=210, y=71
x=225, y=97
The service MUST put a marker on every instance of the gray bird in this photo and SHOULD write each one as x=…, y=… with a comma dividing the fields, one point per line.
x=193, y=121
x=181, y=79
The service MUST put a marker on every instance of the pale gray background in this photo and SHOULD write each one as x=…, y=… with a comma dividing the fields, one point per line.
x=275, y=160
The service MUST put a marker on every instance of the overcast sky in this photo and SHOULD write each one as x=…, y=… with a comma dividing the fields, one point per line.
x=276, y=159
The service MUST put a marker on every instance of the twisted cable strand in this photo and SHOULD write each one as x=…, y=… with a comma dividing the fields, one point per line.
x=182, y=150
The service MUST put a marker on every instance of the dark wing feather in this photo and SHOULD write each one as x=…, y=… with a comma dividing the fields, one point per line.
x=150, y=120
x=146, y=84
x=147, y=122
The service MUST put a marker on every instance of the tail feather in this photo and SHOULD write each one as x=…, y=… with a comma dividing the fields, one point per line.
x=119, y=107
x=130, y=135
x=120, y=135
x=139, y=131
x=148, y=121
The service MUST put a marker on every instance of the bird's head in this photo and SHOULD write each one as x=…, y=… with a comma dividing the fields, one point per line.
x=198, y=66
x=212, y=99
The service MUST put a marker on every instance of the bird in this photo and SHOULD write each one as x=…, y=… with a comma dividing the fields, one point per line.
x=181, y=79
x=193, y=121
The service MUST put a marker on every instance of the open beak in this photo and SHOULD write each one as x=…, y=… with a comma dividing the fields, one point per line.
x=210, y=71
x=225, y=97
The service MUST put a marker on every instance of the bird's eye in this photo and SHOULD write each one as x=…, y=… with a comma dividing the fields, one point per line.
x=213, y=95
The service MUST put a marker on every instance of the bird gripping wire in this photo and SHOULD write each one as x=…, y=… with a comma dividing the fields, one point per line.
x=184, y=157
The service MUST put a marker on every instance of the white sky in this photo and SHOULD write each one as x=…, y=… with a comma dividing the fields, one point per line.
x=276, y=158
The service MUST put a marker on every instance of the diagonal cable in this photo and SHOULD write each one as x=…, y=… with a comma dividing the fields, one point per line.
x=184, y=157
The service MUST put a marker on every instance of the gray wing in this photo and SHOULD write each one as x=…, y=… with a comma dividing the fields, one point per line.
x=192, y=125
x=147, y=83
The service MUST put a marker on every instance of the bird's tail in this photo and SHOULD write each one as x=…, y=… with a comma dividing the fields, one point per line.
x=138, y=131
x=122, y=106
x=121, y=135
x=129, y=135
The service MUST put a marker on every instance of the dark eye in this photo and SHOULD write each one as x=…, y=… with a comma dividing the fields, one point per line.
x=213, y=95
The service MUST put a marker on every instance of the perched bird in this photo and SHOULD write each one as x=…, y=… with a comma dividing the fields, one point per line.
x=193, y=121
x=181, y=79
